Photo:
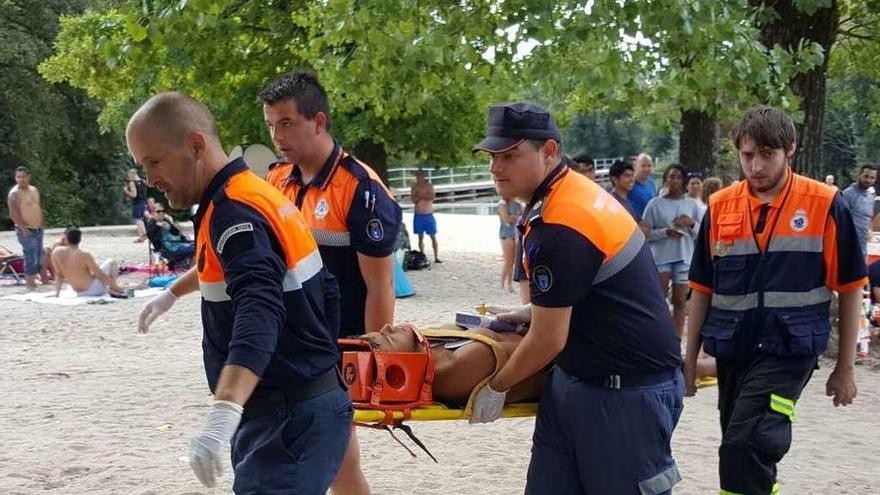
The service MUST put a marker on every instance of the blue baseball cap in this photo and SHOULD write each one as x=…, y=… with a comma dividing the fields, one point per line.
x=511, y=123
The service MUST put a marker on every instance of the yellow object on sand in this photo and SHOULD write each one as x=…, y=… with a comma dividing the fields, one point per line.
x=706, y=381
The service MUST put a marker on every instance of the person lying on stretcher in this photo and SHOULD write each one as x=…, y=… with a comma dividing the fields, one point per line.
x=522, y=315
x=459, y=366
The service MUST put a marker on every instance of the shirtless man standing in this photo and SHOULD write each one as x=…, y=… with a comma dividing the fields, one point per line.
x=78, y=268
x=422, y=196
x=27, y=215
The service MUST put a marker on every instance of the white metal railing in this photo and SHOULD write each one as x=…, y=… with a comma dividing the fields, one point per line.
x=405, y=176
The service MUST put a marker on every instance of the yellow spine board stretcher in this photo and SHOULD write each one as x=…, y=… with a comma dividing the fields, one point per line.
x=440, y=412
x=389, y=419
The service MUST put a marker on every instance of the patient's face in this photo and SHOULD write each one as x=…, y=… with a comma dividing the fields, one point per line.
x=398, y=338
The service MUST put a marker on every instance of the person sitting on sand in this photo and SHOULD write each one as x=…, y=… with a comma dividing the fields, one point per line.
x=458, y=370
x=78, y=268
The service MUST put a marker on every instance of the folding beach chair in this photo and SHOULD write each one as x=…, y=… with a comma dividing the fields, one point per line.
x=13, y=266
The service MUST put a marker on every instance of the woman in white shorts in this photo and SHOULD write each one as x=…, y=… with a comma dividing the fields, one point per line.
x=671, y=223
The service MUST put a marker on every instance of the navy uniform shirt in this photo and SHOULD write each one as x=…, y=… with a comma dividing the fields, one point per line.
x=266, y=317
x=619, y=324
x=349, y=211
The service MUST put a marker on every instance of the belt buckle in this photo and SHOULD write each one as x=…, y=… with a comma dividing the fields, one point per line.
x=612, y=381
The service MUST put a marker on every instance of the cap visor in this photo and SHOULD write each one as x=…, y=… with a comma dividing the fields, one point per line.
x=494, y=144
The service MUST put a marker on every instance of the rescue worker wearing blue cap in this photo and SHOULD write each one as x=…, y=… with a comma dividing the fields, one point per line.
x=614, y=396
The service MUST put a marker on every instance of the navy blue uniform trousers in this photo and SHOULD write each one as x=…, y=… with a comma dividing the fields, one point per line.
x=297, y=450
x=592, y=440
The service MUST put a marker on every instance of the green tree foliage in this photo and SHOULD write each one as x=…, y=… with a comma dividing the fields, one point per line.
x=662, y=60
x=51, y=128
x=401, y=77
x=852, y=119
x=608, y=135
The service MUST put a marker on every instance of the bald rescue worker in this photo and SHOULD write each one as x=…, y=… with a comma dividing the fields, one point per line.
x=269, y=345
x=614, y=396
x=351, y=214
x=770, y=251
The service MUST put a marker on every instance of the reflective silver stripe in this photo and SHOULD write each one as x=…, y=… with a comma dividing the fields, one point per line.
x=305, y=269
x=331, y=238
x=818, y=295
x=740, y=247
x=808, y=244
x=735, y=303
x=214, y=291
x=662, y=482
x=772, y=299
x=620, y=260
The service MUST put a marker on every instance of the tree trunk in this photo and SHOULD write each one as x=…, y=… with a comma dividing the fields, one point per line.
x=698, y=141
x=787, y=30
x=374, y=155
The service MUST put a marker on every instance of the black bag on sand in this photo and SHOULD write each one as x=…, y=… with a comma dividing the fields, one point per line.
x=415, y=260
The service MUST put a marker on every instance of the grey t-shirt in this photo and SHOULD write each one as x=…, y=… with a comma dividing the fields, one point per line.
x=660, y=214
x=861, y=206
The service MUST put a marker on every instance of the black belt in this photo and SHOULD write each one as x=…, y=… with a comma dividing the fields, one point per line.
x=270, y=401
x=628, y=381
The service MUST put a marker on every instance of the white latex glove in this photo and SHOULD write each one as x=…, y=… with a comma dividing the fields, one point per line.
x=206, y=449
x=513, y=314
x=155, y=308
x=487, y=405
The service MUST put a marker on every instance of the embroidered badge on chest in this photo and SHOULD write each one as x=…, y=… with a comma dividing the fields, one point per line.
x=375, y=230
x=322, y=208
x=722, y=248
x=543, y=278
x=799, y=221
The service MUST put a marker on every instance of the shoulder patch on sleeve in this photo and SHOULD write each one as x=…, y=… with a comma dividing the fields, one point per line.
x=543, y=278
x=375, y=230
x=231, y=231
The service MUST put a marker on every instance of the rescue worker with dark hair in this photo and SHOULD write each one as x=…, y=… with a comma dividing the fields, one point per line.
x=614, y=396
x=269, y=343
x=769, y=252
x=351, y=213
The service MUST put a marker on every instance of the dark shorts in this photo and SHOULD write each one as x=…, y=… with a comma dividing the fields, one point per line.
x=137, y=211
x=592, y=439
x=424, y=223
x=297, y=450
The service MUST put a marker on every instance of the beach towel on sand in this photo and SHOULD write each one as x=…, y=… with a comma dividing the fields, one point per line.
x=69, y=298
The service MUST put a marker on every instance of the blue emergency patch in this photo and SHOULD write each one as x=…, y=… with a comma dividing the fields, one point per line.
x=543, y=278
x=375, y=230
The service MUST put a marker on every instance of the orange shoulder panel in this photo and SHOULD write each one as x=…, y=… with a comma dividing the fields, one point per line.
x=278, y=174
x=286, y=220
x=581, y=204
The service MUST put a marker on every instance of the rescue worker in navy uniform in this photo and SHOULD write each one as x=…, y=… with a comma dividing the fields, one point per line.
x=614, y=396
x=351, y=214
x=269, y=351
x=769, y=252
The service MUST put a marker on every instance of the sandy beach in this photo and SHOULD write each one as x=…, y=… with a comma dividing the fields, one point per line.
x=89, y=406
